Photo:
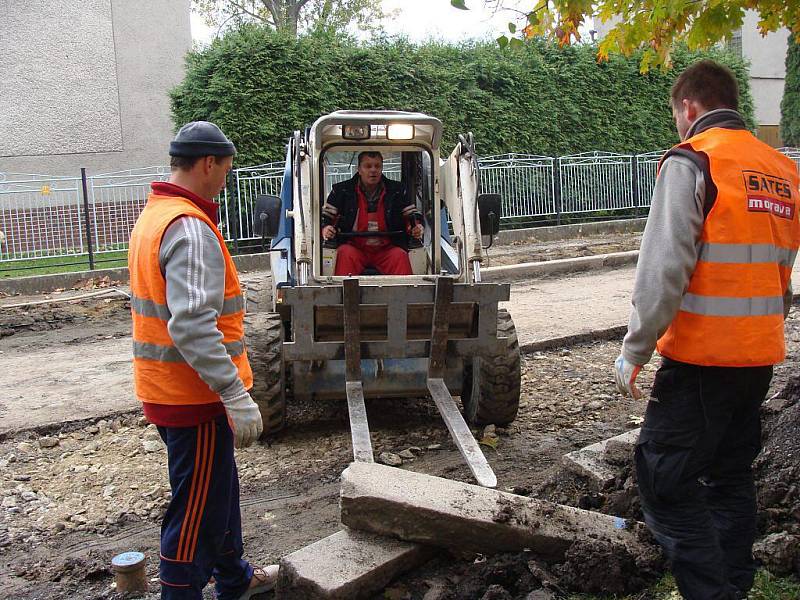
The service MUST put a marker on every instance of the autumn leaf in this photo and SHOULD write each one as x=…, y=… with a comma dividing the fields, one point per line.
x=490, y=441
x=654, y=26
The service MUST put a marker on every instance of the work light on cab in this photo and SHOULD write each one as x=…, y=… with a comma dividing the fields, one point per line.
x=400, y=131
x=355, y=132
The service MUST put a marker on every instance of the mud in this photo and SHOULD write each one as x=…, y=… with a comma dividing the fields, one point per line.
x=777, y=471
x=503, y=576
x=778, y=467
x=49, y=317
x=593, y=566
x=589, y=566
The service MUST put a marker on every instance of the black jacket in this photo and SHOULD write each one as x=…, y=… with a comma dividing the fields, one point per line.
x=341, y=208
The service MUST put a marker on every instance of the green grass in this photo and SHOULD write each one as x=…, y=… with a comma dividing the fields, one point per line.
x=62, y=264
x=771, y=587
x=767, y=587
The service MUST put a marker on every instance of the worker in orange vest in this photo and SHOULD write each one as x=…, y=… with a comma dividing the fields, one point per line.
x=711, y=294
x=191, y=371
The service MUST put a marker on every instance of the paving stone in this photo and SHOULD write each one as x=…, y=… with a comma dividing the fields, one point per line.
x=346, y=565
x=593, y=461
x=619, y=450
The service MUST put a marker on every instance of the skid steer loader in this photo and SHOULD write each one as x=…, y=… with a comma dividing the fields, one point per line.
x=436, y=333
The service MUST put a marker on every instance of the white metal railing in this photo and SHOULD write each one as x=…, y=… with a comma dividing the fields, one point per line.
x=793, y=153
x=115, y=201
x=40, y=216
x=44, y=216
x=596, y=181
x=525, y=182
x=250, y=183
x=646, y=171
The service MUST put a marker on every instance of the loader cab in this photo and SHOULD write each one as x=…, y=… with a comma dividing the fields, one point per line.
x=409, y=145
x=409, y=179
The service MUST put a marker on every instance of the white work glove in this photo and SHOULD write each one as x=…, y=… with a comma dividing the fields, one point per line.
x=625, y=374
x=243, y=417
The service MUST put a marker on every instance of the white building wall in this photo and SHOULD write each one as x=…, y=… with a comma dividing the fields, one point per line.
x=767, y=56
x=84, y=83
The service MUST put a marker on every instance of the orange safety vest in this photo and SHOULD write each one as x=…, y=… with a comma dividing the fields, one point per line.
x=731, y=314
x=160, y=373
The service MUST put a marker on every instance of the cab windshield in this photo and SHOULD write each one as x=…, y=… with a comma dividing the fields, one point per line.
x=376, y=210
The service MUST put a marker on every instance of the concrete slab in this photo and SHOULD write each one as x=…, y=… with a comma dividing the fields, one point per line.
x=563, y=265
x=65, y=382
x=563, y=232
x=346, y=565
x=601, y=462
x=463, y=517
x=619, y=450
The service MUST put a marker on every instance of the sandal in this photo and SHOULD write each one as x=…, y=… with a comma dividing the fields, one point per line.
x=263, y=580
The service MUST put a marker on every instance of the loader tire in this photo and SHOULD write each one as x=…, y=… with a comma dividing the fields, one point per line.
x=265, y=351
x=492, y=386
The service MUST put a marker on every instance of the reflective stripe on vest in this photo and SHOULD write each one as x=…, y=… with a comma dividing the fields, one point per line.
x=720, y=306
x=731, y=313
x=161, y=374
x=149, y=308
x=746, y=253
x=172, y=354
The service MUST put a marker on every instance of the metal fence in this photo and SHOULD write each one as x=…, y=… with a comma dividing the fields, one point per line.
x=525, y=182
x=793, y=153
x=40, y=216
x=251, y=182
x=115, y=201
x=44, y=216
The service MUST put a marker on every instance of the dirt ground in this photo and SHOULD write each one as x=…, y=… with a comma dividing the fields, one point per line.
x=67, y=344
x=75, y=494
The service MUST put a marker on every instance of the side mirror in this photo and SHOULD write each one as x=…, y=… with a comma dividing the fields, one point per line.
x=267, y=215
x=490, y=210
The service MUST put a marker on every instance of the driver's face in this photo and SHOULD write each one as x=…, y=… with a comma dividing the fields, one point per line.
x=370, y=170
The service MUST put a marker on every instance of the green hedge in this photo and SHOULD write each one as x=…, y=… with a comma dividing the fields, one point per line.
x=790, y=105
x=259, y=86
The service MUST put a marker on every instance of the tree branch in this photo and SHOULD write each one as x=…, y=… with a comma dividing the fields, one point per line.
x=243, y=9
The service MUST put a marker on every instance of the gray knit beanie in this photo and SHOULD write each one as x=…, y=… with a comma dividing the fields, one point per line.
x=201, y=138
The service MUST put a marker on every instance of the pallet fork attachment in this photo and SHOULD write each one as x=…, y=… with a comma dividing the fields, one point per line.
x=359, y=426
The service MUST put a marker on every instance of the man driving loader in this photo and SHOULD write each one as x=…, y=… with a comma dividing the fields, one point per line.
x=369, y=202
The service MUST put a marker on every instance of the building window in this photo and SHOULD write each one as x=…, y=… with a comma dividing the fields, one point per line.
x=735, y=42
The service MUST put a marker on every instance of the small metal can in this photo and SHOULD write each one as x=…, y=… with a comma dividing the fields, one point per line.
x=129, y=572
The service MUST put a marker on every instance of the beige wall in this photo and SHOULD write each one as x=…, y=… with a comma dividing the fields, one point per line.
x=767, y=56
x=85, y=82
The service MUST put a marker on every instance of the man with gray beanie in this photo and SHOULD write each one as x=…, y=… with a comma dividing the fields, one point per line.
x=191, y=371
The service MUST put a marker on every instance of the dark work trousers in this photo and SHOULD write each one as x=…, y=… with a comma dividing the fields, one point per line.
x=700, y=435
x=201, y=534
